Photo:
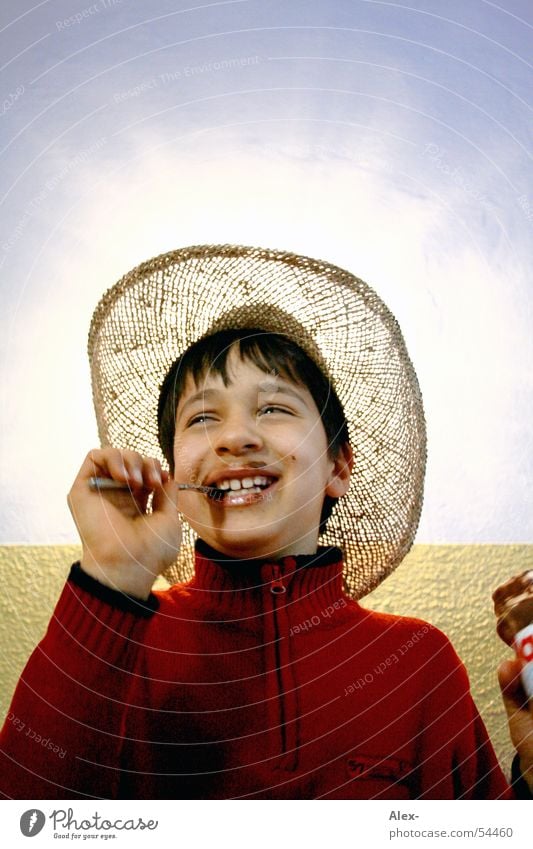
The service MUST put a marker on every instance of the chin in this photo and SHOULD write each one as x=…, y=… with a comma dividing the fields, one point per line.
x=244, y=545
x=257, y=541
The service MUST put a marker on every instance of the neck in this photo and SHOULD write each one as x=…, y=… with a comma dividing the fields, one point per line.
x=306, y=546
x=226, y=558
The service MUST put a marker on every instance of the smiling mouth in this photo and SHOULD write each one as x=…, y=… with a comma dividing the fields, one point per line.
x=241, y=490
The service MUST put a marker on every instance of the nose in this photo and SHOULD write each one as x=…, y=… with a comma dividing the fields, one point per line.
x=238, y=435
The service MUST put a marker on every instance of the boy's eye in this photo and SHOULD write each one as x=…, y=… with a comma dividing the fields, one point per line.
x=199, y=419
x=273, y=408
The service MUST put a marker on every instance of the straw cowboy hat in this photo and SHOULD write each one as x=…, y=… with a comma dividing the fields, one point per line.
x=154, y=313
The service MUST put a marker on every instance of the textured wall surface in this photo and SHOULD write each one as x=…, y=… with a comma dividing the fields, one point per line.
x=449, y=585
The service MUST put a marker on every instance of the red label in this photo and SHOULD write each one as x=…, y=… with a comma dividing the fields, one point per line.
x=524, y=648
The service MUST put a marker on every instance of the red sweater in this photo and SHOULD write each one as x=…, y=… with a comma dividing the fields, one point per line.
x=253, y=680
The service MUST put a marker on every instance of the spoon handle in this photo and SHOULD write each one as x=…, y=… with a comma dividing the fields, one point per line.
x=100, y=484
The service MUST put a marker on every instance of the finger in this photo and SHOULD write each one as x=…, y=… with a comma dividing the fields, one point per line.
x=152, y=473
x=138, y=470
x=165, y=498
x=95, y=463
x=143, y=471
x=106, y=462
x=127, y=467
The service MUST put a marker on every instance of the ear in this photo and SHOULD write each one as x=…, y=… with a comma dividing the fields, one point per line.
x=341, y=472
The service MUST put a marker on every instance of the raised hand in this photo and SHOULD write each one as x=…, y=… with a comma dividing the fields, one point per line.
x=124, y=547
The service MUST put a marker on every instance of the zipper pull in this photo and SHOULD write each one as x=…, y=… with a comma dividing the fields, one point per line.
x=276, y=584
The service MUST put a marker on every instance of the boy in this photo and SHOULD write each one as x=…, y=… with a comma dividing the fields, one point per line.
x=252, y=678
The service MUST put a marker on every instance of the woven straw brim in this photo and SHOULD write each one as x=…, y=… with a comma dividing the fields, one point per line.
x=160, y=308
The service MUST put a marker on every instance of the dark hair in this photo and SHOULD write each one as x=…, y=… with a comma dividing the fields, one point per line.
x=271, y=352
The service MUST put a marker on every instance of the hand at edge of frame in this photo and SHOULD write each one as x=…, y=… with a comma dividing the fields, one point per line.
x=519, y=714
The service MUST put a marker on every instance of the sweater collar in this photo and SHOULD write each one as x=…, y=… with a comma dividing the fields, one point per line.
x=306, y=584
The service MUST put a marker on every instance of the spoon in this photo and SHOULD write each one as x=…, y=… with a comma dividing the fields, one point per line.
x=100, y=484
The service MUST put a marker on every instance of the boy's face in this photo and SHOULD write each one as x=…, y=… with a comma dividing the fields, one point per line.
x=262, y=430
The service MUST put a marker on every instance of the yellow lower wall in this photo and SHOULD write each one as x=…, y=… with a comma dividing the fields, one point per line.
x=449, y=585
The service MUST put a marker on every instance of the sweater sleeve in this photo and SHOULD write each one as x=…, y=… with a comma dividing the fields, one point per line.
x=62, y=735
x=457, y=759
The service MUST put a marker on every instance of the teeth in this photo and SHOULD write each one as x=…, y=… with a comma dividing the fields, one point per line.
x=246, y=483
